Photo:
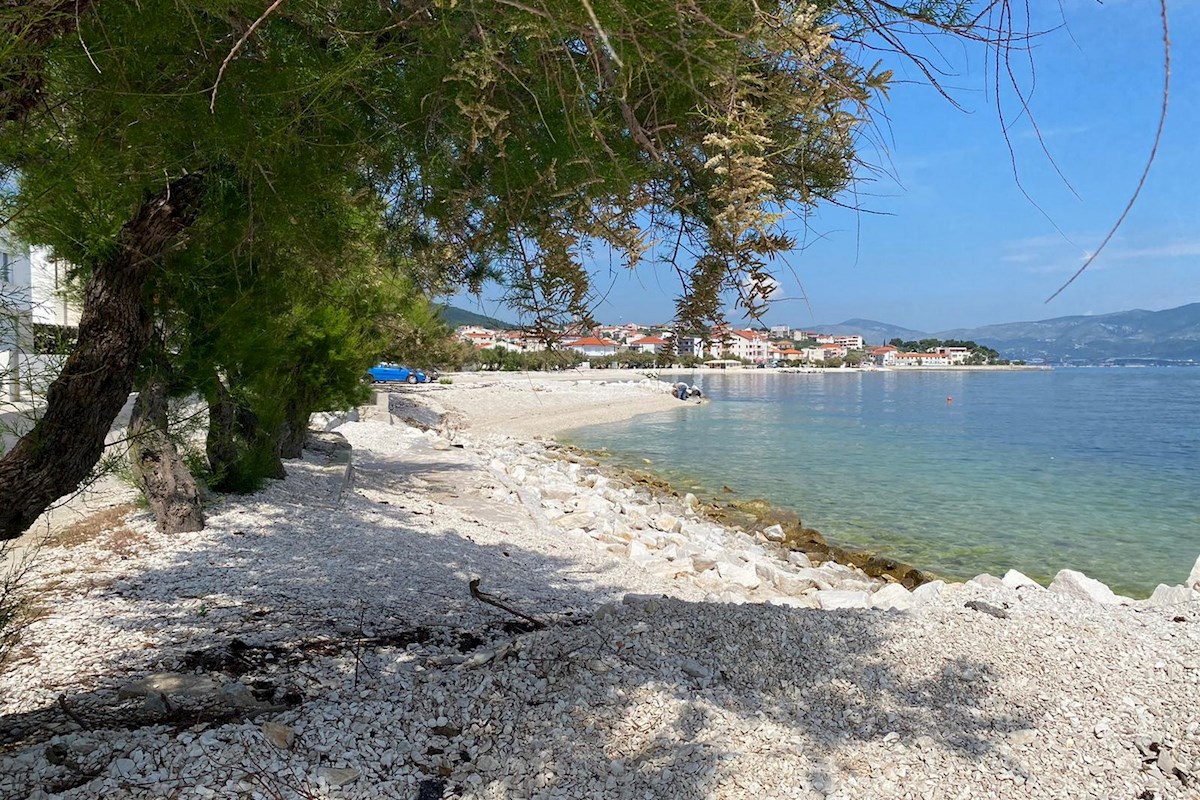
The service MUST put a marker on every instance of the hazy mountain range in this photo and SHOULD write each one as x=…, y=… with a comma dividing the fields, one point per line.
x=1169, y=336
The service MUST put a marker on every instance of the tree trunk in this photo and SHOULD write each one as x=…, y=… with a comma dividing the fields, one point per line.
x=221, y=444
x=31, y=26
x=295, y=431
x=161, y=474
x=81, y=404
x=262, y=444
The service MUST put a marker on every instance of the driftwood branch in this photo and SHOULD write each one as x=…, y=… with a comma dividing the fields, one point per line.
x=71, y=715
x=484, y=597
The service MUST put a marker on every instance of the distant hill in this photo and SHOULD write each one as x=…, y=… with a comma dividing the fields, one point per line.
x=455, y=317
x=1172, y=335
x=872, y=331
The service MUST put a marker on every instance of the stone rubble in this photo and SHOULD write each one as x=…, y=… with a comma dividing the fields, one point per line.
x=680, y=659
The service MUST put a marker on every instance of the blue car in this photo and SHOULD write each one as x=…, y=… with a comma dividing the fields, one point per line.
x=389, y=373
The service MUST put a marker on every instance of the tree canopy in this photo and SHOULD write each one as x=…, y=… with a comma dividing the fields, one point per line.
x=245, y=188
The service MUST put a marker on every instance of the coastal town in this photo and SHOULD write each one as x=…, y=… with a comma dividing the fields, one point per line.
x=726, y=346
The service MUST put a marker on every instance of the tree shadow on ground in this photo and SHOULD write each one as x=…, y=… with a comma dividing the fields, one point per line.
x=655, y=698
x=662, y=698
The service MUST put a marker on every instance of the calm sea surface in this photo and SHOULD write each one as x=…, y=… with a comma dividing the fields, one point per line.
x=1093, y=469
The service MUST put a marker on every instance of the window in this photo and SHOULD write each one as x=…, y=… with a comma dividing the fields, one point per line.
x=4, y=274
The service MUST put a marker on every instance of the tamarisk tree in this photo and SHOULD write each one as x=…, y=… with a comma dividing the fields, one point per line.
x=215, y=149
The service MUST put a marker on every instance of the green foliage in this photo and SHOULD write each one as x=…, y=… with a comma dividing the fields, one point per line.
x=417, y=335
x=359, y=157
x=503, y=359
x=979, y=353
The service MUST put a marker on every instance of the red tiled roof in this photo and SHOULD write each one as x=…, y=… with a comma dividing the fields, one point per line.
x=590, y=341
x=649, y=340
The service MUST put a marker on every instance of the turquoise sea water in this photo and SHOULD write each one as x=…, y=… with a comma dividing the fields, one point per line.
x=1092, y=469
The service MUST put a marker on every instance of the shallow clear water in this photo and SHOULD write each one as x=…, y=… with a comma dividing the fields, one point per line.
x=1091, y=469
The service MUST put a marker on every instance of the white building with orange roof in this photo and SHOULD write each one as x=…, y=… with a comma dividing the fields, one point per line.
x=922, y=360
x=884, y=356
x=593, y=346
x=649, y=344
x=956, y=355
x=747, y=345
x=480, y=338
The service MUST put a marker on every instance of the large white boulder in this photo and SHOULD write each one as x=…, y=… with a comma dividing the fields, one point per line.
x=1018, y=580
x=1193, y=581
x=798, y=559
x=557, y=491
x=794, y=602
x=1070, y=583
x=987, y=581
x=668, y=522
x=742, y=575
x=596, y=505
x=892, y=596
x=575, y=519
x=820, y=578
x=774, y=533
x=791, y=584
x=831, y=599
x=638, y=553
x=928, y=592
x=1166, y=596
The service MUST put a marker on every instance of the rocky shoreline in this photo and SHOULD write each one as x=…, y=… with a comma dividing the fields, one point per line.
x=478, y=616
x=763, y=549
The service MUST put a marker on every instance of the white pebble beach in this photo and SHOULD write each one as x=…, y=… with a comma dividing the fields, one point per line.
x=322, y=639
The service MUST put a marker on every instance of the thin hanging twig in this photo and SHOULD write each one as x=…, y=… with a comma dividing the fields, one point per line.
x=1162, y=121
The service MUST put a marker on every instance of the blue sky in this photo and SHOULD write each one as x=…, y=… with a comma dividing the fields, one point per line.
x=952, y=242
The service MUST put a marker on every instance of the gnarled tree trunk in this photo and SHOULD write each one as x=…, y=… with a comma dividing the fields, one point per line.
x=295, y=430
x=31, y=26
x=114, y=328
x=161, y=474
x=220, y=445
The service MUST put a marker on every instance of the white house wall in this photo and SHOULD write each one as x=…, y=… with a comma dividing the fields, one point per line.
x=15, y=295
x=48, y=279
